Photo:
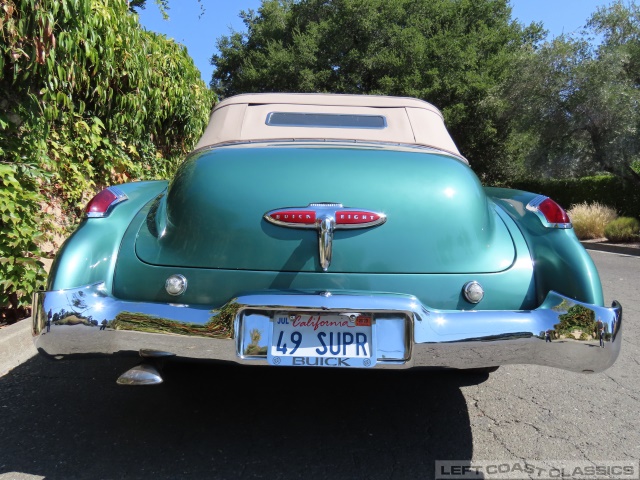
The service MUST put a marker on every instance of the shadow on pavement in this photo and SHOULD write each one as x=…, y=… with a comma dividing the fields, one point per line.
x=66, y=419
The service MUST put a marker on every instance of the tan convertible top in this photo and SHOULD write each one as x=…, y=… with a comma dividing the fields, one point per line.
x=291, y=116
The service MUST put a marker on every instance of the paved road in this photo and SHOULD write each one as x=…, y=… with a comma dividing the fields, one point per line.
x=69, y=420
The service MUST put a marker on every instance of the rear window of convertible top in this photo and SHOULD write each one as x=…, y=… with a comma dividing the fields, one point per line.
x=325, y=120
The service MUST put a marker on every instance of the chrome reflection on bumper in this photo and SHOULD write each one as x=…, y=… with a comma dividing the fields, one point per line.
x=561, y=333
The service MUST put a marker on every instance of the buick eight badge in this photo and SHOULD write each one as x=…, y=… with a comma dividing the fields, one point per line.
x=325, y=218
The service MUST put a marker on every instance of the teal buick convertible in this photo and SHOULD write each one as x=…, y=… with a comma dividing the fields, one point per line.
x=336, y=231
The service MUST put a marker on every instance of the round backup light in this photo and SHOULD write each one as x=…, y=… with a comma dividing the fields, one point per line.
x=473, y=292
x=176, y=285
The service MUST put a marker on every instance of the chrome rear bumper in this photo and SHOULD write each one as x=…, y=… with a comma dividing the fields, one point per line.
x=87, y=320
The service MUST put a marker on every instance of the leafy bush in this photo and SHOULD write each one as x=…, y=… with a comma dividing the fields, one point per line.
x=589, y=220
x=87, y=98
x=623, y=229
x=22, y=222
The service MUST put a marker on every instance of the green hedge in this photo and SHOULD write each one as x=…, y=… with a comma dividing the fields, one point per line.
x=87, y=98
x=614, y=192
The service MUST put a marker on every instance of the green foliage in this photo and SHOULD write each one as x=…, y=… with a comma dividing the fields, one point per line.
x=448, y=52
x=577, y=318
x=577, y=104
x=21, y=220
x=87, y=98
x=623, y=229
x=623, y=196
x=163, y=6
x=20, y=229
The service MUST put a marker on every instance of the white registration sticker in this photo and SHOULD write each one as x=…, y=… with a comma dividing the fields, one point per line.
x=319, y=340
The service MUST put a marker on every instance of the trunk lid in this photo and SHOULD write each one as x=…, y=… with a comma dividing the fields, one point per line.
x=438, y=217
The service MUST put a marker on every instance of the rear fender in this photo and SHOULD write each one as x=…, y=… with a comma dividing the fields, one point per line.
x=88, y=256
x=560, y=262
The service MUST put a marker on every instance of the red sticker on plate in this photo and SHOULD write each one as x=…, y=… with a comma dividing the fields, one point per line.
x=363, y=321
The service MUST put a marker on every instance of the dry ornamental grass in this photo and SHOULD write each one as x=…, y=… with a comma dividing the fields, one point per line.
x=590, y=219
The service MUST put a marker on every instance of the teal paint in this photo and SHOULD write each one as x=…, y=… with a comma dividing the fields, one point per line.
x=438, y=217
x=89, y=255
x=561, y=262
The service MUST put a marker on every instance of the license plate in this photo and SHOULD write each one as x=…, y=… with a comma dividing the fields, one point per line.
x=322, y=340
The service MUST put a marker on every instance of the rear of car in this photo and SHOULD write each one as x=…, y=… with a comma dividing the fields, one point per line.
x=327, y=230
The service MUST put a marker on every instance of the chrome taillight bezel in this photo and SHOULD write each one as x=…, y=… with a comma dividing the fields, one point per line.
x=120, y=197
x=534, y=207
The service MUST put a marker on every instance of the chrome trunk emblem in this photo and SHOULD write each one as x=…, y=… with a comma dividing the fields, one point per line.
x=325, y=218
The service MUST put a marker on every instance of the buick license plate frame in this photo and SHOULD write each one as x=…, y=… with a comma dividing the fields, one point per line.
x=322, y=339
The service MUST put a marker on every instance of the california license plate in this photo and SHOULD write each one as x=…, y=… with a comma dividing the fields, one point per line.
x=322, y=340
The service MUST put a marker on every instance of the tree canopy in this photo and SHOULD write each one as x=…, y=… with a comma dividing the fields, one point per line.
x=574, y=105
x=448, y=52
x=137, y=5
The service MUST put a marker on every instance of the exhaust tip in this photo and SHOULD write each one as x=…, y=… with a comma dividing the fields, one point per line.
x=149, y=353
x=143, y=374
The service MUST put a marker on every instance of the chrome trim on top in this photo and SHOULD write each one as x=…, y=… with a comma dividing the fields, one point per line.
x=330, y=143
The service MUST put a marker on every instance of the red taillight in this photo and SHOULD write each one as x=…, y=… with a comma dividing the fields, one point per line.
x=103, y=202
x=551, y=214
